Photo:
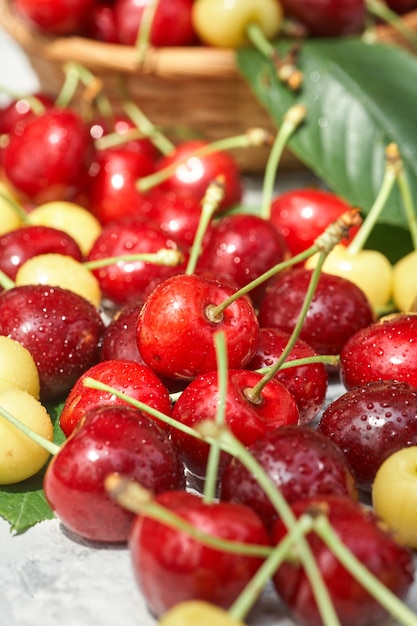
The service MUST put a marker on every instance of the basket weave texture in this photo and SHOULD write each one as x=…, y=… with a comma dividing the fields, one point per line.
x=180, y=89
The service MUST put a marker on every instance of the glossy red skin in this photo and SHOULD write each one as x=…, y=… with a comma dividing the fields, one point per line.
x=60, y=328
x=59, y=17
x=175, y=337
x=328, y=18
x=171, y=26
x=301, y=463
x=338, y=309
x=195, y=173
x=247, y=420
x=369, y=423
x=61, y=143
x=110, y=439
x=120, y=124
x=385, y=350
x=101, y=24
x=239, y=248
x=307, y=383
x=111, y=187
x=14, y=116
x=402, y=6
x=119, y=337
x=170, y=566
x=301, y=215
x=369, y=541
x=134, y=379
x=131, y=280
x=17, y=246
x=178, y=215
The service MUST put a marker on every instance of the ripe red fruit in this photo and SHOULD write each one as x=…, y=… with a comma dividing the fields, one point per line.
x=175, y=328
x=369, y=423
x=338, y=309
x=328, y=18
x=59, y=17
x=110, y=439
x=307, y=383
x=61, y=330
x=372, y=544
x=136, y=380
x=385, y=350
x=248, y=420
x=63, y=147
x=301, y=463
x=170, y=566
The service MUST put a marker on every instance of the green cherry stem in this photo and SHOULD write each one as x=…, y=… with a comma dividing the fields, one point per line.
x=5, y=282
x=76, y=73
x=211, y=477
x=392, y=165
x=327, y=359
x=408, y=204
x=144, y=31
x=381, y=10
x=394, y=606
x=253, y=137
x=148, y=129
x=226, y=438
x=293, y=118
x=164, y=256
x=47, y=445
x=139, y=500
x=209, y=205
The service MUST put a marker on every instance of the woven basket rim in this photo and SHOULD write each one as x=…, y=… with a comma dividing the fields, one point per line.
x=197, y=61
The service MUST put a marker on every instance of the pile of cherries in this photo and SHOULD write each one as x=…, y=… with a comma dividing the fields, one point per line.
x=138, y=374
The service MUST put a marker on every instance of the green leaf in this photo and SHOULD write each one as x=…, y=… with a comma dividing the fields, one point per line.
x=360, y=97
x=23, y=504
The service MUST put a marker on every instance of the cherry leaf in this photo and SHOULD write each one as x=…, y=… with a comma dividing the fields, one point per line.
x=360, y=97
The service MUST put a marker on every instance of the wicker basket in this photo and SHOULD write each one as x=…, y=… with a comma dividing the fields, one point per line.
x=198, y=89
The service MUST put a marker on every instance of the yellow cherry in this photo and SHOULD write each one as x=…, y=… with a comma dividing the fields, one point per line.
x=370, y=270
x=71, y=218
x=20, y=456
x=198, y=612
x=59, y=270
x=224, y=24
x=18, y=369
x=405, y=282
x=394, y=494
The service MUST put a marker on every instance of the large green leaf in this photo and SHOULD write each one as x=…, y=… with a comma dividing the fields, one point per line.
x=360, y=97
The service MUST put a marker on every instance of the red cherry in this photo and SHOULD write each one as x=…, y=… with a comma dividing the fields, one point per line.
x=59, y=17
x=101, y=23
x=119, y=337
x=372, y=544
x=301, y=463
x=110, y=439
x=385, y=350
x=170, y=566
x=176, y=327
x=61, y=330
x=17, y=246
x=338, y=309
x=328, y=18
x=134, y=379
x=178, y=215
x=239, y=248
x=301, y=215
x=249, y=420
x=14, y=116
x=307, y=383
x=130, y=280
x=194, y=173
x=369, y=423
x=63, y=147
x=171, y=23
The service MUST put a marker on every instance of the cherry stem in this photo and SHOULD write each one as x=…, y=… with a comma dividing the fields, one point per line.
x=324, y=243
x=144, y=31
x=393, y=164
x=6, y=282
x=247, y=598
x=408, y=204
x=16, y=207
x=228, y=440
x=47, y=445
x=209, y=205
x=36, y=105
x=380, y=9
x=253, y=137
x=76, y=73
x=326, y=359
x=386, y=598
x=212, y=471
x=255, y=393
x=292, y=120
x=164, y=256
x=139, y=500
x=148, y=129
